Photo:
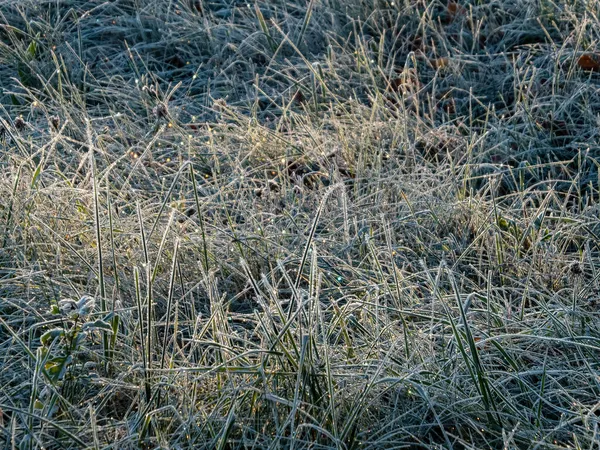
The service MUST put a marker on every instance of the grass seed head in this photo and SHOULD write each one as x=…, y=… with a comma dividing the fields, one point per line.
x=54, y=122
x=20, y=123
x=160, y=111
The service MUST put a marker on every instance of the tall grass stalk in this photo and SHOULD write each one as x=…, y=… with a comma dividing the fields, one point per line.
x=169, y=305
x=99, y=254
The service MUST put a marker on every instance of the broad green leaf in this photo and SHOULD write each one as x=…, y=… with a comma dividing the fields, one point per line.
x=57, y=366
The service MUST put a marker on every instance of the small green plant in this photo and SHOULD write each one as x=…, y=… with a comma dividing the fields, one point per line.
x=61, y=345
x=62, y=357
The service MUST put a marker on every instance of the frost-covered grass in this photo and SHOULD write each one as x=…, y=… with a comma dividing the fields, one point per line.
x=299, y=224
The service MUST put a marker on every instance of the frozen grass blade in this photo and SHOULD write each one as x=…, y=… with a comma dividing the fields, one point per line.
x=9, y=213
x=115, y=318
x=200, y=219
x=99, y=254
x=265, y=28
x=305, y=22
x=167, y=198
x=311, y=235
x=161, y=247
x=477, y=369
x=169, y=304
x=140, y=308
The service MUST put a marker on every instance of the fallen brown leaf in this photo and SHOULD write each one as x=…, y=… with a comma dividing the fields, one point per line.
x=589, y=61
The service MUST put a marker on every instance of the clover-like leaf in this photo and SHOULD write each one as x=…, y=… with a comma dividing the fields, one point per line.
x=85, y=305
x=50, y=335
x=57, y=366
x=68, y=307
x=79, y=338
x=97, y=325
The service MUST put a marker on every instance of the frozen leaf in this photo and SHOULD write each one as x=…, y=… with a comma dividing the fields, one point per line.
x=85, y=305
x=56, y=367
x=455, y=10
x=50, y=335
x=67, y=306
x=589, y=61
x=97, y=324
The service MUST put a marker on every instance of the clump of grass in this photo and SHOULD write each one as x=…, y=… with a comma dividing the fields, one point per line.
x=304, y=224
